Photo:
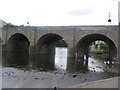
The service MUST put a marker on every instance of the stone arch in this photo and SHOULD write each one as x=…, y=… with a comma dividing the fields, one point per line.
x=45, y=49
x=46, y=43
x=82, y=46
x=18, y=42
x=24, y=31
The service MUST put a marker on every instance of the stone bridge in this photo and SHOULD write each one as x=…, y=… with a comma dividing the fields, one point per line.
x=42, y=40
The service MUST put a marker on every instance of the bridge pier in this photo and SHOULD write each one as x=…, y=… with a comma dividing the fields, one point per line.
x=75, y=60
x=71, y=52
x=31, y=49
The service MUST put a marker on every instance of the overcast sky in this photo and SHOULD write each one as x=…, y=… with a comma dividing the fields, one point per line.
x=59, y=12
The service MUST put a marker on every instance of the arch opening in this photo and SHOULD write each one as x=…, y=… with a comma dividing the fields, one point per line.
x=99, y=48
x=17, y=51
x=83, y=45
x=52, y=46
x=47, y=43
x=84, y=55
x=18, y=42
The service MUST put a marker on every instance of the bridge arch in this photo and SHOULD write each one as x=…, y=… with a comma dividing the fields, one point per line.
x=82, y=46
x=46, y=43
x=18, y=42
x=45, y=49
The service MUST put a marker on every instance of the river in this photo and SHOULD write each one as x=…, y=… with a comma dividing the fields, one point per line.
x=18, y=72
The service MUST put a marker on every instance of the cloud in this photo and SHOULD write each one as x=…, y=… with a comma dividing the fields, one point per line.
x=116, y=0
x=80, y=12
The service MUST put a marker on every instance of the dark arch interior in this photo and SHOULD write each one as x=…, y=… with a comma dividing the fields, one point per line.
x=46, y=44
x=83, y=45
x=46, y=51
x=18, y=42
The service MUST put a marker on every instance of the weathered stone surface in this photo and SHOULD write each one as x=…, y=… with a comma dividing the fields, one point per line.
x=43, y=39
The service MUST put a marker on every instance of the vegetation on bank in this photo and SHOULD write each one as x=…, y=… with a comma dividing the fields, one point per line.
x=12, y=26
x=103, y=49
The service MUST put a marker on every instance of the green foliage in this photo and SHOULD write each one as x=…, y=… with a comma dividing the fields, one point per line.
x=96, y=46
x=10, y=25
x=104, y=46
x=61, y=43
x=104, y=49
x=96, y=52
x=22, y=25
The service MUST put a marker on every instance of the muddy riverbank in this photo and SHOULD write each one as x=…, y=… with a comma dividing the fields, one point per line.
x=18, y=78
x=32, y=75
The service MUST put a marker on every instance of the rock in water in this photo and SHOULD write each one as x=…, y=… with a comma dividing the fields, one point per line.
x=73, y=75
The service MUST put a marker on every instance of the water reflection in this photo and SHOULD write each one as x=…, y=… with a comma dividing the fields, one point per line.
x=76, y=65
x=42, y=62
x=41, y=70
x=26, y=61
x=15, y=59
x=61, y=58
x=52, y=62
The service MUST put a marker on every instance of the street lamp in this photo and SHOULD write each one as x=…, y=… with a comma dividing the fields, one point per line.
x=109, y=20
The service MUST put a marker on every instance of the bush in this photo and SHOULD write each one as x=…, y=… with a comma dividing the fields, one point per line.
x=96, y=52
x=104, y=46
x=104, y=49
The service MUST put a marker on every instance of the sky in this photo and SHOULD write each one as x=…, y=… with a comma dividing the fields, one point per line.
x=59, y=12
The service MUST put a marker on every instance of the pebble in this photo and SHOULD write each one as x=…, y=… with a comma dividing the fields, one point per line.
x=36, y=78
x=92, y=62
x=64, y=73
x=42, y=78
x=74, y=75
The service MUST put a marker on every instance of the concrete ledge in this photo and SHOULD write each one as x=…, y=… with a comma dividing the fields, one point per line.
x=106, y=83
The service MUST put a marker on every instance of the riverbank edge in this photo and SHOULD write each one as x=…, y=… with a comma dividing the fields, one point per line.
x=104, y=83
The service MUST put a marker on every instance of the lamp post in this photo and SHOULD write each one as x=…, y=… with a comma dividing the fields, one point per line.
x=28, y=24
x=109, y=20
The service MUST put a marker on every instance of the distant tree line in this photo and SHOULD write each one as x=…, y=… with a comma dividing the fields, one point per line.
x=11, y=25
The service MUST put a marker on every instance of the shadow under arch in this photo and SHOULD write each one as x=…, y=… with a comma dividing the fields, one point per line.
x=82, y=46
x=46, y=44
x=45, y=51
x=17, y=51
x=18, y=42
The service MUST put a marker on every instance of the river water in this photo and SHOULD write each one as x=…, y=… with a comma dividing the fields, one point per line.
x=19, y=72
